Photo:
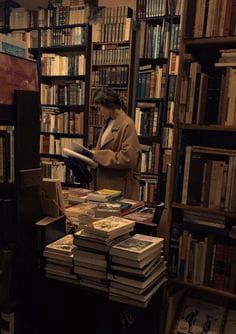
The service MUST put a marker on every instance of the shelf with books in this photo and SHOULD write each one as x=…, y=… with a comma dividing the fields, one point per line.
x=65, y=107
x=66, y=135
x=160, y=26
x=65, y=82
x=201, y=209
x=112, y=59
x=50, y=78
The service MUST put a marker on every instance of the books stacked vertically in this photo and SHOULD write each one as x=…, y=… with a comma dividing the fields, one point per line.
x=59, y=259
x=93, y=244
x=137, y=269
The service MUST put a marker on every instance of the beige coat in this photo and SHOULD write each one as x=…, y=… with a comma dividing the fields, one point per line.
x=119, y=158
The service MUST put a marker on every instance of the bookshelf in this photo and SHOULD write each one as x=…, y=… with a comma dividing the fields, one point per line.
x=65, y=116
x=59, y=38
x=200, y=245
x=20, y=180
x=159, y=31
x=112, y=60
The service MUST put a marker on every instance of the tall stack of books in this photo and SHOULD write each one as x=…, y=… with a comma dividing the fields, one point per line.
x=59, y=259
x=93, y=244
x=137, y=269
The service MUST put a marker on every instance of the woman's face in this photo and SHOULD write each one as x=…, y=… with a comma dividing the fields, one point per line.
x=104, y=111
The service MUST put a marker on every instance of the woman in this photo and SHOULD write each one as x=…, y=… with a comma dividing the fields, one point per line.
x=118, y=150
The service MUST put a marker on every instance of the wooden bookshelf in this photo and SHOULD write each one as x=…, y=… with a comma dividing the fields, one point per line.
x=164, y=48
x=67, y=107
x=180, y=215
x=122, y=62
x=211, y=41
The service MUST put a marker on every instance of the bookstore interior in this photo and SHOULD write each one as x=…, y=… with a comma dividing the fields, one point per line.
x=118, y=167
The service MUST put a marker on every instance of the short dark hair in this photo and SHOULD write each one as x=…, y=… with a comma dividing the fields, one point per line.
x=109, y=99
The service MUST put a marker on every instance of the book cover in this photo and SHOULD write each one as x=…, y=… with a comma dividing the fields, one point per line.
x=137, y=246
x=70, y=153
x=63, y=245
x=110, y=226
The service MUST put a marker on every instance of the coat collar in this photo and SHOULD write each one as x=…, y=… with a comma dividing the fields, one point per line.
x=116, y=125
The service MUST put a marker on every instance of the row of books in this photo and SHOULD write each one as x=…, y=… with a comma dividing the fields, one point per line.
x=54, y=169
x=205, y=261
x=115, y=14
x=213, y=18
x=106, y=56
x=154, y=40
x=67, y=122
x=49, y=144
x=6, y=154
x=53, y=64
x=31, y=38
x=63, y=37
x=151, y=81
x=67, y=94
x=207, y=98
x=147, y=121
x=148, y=189
x=209, y=178
x=112, y=32
x=85, y=260
x=114, y=76
x=153, y=8
x=150, y=158
x=20, y=18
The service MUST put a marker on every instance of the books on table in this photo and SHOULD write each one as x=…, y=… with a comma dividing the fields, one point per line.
x=103, y=195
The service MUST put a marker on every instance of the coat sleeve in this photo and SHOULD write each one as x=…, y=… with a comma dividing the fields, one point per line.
x=128, y=155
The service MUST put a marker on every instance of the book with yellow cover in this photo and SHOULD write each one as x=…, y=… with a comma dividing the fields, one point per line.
x=103, y=195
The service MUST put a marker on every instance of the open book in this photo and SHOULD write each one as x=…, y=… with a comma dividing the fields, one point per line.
x=73, y=154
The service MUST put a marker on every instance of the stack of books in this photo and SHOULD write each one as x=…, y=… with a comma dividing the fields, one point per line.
x=137, y=269
x=59, y=259
x=93, y=244
x=81, y=214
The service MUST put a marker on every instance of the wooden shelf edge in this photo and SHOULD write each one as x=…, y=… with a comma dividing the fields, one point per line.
x=204, y=288
x=202, y=209
x=210, y=40
x=207, y=127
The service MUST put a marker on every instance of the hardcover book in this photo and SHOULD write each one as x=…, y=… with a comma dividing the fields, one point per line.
x=110, y=226
x=62, y=246
x=137, y=247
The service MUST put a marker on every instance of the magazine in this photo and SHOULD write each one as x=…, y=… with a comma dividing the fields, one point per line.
x=70, y=153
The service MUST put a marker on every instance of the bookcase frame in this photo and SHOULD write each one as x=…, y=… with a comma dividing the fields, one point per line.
x=25, y=193
x=192, y=45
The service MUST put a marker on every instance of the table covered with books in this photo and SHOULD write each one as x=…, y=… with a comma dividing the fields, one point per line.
x=102, y=250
